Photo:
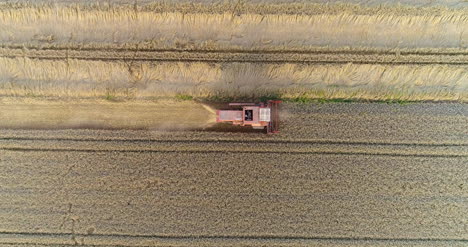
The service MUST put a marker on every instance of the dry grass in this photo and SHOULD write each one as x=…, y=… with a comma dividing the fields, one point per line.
x=77, y=78
x=234, y=26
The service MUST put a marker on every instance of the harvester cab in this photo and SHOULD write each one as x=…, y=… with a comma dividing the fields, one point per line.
x=257, y=115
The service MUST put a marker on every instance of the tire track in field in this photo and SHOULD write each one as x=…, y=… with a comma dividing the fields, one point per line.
x=391, y=154
x=263, y=51
x=311, y=57
x=234, y=237
x=258, y=141
x=225, y=146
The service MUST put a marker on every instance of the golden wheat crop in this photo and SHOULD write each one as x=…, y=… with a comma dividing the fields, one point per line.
x=240, y=26
x=345, y=25
x=78, y=78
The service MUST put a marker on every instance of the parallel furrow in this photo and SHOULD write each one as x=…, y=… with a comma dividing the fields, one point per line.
x=235, y=237
x=251, y=141
x=319, y=57
x=194, y=151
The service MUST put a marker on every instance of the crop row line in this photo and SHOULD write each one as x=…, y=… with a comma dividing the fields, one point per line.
x=336, y=51
x=235, y=237
x=258, y=57
x=251, y=151
x=250, y=141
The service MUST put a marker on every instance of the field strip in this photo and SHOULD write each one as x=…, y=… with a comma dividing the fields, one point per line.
x=318, y=50
x=337, y=50
x=256, y=146
x=11, y=237
x=230, y=151
x=243, y=141
x=317, y=57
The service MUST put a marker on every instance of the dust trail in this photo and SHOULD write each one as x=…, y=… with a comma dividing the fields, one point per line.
x=101, y=114
x=212, y=120
x=208, y=108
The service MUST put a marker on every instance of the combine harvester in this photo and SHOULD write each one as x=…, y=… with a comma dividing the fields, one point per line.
x=259, y=116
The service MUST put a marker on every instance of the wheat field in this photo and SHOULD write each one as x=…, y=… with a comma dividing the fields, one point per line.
x=77, y=78
x=232, y=26
x=109, y=134
x=151, y=26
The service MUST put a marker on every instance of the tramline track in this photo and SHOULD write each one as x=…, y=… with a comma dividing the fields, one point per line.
x=311, y=57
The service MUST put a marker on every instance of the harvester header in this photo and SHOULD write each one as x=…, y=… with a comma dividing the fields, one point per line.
x=257, y=115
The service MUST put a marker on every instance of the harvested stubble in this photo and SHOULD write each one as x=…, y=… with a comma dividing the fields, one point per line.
x=78, y=78
x=132, y=198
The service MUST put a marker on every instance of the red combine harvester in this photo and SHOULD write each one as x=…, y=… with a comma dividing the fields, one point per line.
x=259, y=116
